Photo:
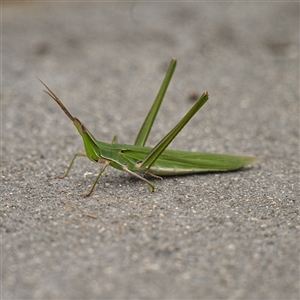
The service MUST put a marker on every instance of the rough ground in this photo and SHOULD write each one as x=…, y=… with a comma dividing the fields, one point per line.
x=214, y=236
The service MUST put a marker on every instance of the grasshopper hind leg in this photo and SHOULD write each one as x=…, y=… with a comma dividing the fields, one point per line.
x=140, y=177
x=153, y=175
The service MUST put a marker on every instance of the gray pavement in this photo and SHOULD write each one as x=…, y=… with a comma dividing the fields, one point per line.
x=214, y=236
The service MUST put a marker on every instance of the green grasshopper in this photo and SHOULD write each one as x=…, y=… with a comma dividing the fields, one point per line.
x=156, y=161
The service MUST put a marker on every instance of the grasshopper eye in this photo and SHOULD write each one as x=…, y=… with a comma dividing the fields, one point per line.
x=83, y=129
x=78, y=123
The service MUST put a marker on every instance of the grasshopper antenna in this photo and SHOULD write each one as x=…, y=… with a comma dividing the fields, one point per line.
x=55, y=98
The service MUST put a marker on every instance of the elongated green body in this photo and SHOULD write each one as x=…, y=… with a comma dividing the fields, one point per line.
x=171, y=162
x=176, y=162
x=157, y=161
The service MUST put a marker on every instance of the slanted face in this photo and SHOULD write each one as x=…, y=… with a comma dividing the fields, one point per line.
x=90, y=143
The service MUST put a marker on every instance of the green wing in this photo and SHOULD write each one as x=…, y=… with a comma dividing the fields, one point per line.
x=176, y=162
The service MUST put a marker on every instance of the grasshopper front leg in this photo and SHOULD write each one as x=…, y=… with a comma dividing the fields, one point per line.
x=71, y=165
x=106, y=163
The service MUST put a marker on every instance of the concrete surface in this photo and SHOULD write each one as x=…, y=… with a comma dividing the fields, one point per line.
x=214, y=236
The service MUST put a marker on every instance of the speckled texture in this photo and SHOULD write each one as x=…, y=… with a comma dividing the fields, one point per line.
x=213, y=236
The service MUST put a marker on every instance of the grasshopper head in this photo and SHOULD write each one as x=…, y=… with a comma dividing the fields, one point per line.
x=90, y=143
